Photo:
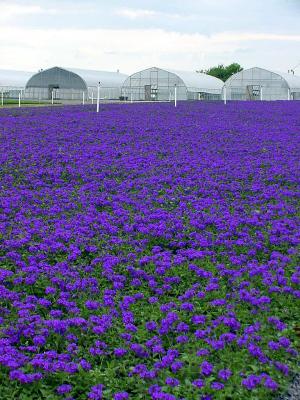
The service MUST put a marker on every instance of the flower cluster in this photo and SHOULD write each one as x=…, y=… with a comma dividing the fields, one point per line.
x=148, y=252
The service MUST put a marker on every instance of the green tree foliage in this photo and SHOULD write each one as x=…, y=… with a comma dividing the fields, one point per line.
x=223, y=72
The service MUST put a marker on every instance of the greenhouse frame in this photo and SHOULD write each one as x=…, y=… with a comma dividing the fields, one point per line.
x=261, y=84
x=13, y=82
x=156, y=84
x=74, y=84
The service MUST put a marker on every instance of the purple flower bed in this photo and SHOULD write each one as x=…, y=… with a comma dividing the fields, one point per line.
x=149, y=252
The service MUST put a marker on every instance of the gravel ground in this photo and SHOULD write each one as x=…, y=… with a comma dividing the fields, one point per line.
x=293, y=392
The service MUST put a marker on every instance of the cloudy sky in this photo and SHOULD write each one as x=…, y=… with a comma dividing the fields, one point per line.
x=134, y=34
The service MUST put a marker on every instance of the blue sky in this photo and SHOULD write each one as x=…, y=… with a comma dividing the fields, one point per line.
x=131, y=35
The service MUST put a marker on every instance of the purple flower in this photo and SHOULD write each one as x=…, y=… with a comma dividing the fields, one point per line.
x=270, y=384
x=251, y=382
x=121, y=396
x=217, y=385
x=282, y=367
x=199, y=319
x=284, y=342
x=273, y=345
x=189, y=307
x=200, y=333
x=85, y=365
x=39, y=340
x=120, y=352
x=206, y=368
x=96, y=392
x=140, y=234
x=202, y=352
x=62, y=389
x=199, y=383
x=92, y=305
x=182, y=327
x=172, y=382
x=279, y=325
x=151, y=326
x=224, y=374
x=182, y=339
x=153, y=300
x=176, y=366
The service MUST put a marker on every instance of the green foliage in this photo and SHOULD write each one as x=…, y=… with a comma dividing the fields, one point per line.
x=223, y=72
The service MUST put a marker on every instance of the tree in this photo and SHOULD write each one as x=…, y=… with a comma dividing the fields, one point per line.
x=223, y=72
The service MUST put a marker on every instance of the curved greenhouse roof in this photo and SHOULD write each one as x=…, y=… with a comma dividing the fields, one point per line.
x=70, y=83
x=159, y=84
x=198, y=80
x=262, y=84
x=56, y=77
x=67, y=77
x=292, y=81
x=11, y=78
x=107, y=79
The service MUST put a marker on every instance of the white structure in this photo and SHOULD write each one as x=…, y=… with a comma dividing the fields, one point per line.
x=12, y=82
x=261, y=84
x=73, y=84
x=111, y=82
x=156, y=84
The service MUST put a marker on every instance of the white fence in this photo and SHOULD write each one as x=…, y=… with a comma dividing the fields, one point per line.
x=260, y=92
x=71, y=96
x=53, y=95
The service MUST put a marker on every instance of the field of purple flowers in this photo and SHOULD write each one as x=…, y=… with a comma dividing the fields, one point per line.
x=148, y=252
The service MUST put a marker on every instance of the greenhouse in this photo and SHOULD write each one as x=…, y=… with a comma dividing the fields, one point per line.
x=261, y=84
x=110, y=82
x=74, y=84
x=13, y=82
x=155, y=84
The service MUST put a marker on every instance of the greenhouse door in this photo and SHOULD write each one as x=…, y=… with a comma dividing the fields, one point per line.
x=51, y=89
x=253, y=92
x=148, y=92
x=154, y=93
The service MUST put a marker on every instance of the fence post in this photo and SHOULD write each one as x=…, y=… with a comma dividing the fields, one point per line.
x=92, y=97
x=175, y=95
x=289, y=94
x=19, y=99
x=225, y=94
x=83, y=98
x=52, y=97
x=98, y=97
x=261, y=93
x=131, y=99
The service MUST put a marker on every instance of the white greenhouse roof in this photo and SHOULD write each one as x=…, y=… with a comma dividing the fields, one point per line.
x=199, y=80
x=11, y=78
x=293, y=81
x=107, y=79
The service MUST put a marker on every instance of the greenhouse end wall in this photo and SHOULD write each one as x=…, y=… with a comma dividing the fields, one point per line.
x=51, y=82
x=62, y=84
x=257, y=84
x=155, y=84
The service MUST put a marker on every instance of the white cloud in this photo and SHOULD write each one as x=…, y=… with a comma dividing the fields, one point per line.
x=136, y=13
x=11, y=11
x=127, y=50
x=247, y=37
